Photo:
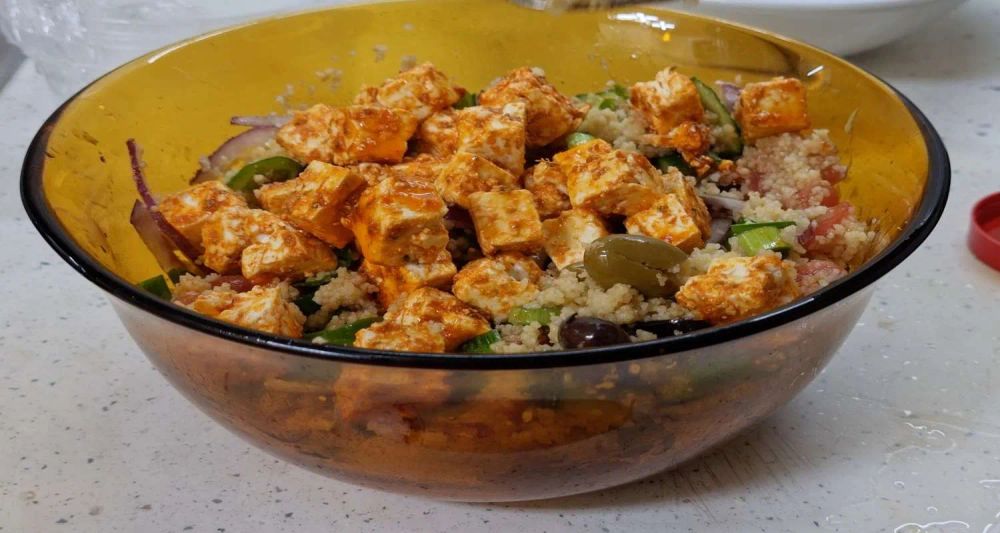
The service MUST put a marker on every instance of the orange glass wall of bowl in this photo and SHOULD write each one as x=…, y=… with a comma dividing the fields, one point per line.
x=177, y=102
x=498, y=435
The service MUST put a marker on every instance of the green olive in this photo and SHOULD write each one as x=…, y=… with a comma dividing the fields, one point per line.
x=642, y=262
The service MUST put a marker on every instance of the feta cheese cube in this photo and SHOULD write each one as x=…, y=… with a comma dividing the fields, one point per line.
x=437, y=135
x=210, y=302
x=495, y=285
x=506, y=221
x=267, y=309
x=610, y=182
x=675, y=183
x=396, y=337
x=316, y=201
x=228, y=231
x=367, y=95
x=772, y=107
x=261, y=246
x=399, y=221
x=285, y=253
x=459, y=322
x=421, y=90
x=423, y=168
x=550, y=115
x=739, y=287
x=468, y=173
x=394, y=282
x=547, y=183
x=496, y=133
x=188, y=210
x=371, y=173
x=370, y=134
x=689, y=138
x=667, y=101
x=669, y=221
x=567, y=236
x=307, y=136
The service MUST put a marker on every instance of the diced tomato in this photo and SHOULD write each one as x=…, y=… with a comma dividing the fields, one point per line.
x=834, y=174
x=832, y=198
x=836, y=215
x=825, y=224
x=815, y=274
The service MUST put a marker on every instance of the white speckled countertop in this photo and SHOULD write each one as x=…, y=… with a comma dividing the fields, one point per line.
x=900, y=433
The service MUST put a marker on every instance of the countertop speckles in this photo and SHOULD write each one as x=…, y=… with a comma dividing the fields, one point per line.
x=901, y=430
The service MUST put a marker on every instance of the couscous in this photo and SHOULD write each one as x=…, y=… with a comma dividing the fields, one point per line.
x=424, y=217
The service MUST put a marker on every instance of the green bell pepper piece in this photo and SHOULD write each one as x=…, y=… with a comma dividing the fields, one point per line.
x=157, y=286
x=273, y=168
x=756, y=240
x=344, y=335
x=664, y=162
x=467, y=100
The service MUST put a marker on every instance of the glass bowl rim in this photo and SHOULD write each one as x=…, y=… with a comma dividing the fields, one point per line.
x=919, y=227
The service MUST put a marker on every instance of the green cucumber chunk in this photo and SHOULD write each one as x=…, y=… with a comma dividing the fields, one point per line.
x=728, y=145
x=577, y=138
x=482, y=343
x=522, y=316
x=756, y=240
x=744, y=226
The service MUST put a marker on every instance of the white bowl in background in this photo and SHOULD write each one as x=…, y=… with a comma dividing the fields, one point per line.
x=843, y=27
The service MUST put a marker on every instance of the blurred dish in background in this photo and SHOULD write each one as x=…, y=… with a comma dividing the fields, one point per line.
x=843, y=27
x=72, y=42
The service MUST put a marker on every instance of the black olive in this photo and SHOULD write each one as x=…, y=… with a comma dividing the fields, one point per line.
x=668, y=328
x=589, y=332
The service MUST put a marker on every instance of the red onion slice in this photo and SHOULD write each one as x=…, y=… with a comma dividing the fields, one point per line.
x=725, y=202
x=730, y=94
x=231, y=150
x=257, y=121
x=149, y=232
x=720, y=228
x=168, y=231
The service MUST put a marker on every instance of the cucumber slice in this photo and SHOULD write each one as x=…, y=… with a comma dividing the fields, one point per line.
x=741, y=227
x=523, y=316
x=754, y=241
x=727, y=145
x=481, y=344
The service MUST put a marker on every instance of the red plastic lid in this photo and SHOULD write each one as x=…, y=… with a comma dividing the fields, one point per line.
x=984, y=235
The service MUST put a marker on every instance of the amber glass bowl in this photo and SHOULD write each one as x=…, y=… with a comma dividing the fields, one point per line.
x=467, y=427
